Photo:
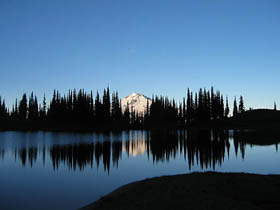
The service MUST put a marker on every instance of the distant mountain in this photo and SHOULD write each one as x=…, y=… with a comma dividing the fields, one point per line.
x=136, y=102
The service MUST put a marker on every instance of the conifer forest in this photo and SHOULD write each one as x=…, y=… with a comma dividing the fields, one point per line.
x=93, y=111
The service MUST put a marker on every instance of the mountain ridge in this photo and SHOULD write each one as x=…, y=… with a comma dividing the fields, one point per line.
x=137, y=102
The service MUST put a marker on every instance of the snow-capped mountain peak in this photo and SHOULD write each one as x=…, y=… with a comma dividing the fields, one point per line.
x=137, y=102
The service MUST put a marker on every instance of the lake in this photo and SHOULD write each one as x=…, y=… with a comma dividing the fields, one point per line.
x=49, y=170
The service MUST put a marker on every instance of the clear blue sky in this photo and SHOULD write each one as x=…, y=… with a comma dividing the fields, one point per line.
x=146, y=46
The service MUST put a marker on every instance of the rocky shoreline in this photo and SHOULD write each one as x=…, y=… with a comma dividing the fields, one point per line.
x=209, y=190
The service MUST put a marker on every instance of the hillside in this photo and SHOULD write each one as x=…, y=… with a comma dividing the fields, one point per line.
x=258, y=118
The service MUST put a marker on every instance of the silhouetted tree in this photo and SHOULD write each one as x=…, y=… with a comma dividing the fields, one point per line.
x=106, y=106
x=98, y=108
x=15, y=112
x=23, y=107
x=221, y=108
x=241, y=105
x=91, y=105
x=43, y=109
x=126, y=115
x=213, y=107
x=33, y=107
x=227, y=108
x=3, y=110
x=116, y=109
x=189, y=107
x=235, y=110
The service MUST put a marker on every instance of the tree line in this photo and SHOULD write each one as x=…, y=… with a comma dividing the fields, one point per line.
x=95, y=110
x=201, y=106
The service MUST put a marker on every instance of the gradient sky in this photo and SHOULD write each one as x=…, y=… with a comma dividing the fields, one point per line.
x=145, y=46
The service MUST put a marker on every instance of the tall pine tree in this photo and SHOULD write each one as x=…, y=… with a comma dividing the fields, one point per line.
x=23, y=107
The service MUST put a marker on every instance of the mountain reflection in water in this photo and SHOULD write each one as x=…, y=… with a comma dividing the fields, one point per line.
x=205, y=148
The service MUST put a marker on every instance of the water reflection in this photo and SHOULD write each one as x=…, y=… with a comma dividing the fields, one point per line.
x=208, y=148
x=204, y=148
x=2, y=153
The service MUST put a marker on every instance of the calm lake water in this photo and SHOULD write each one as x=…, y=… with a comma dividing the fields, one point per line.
x=45, y=170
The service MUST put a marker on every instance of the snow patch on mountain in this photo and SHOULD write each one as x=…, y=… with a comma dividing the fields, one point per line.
x=137, y=102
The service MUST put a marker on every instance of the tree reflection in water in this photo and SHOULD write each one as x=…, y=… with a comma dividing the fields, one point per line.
x=204, y=148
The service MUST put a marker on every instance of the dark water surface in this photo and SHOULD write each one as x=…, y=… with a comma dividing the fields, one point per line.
x=45, y=170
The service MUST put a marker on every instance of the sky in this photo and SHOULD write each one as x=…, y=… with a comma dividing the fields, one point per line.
x=159, y=47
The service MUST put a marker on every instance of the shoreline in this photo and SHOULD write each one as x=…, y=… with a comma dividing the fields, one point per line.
x=206, y=190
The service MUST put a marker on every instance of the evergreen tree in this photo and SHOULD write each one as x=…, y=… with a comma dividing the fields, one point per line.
x=3, y=110
x=200, y=105
x=221, y=110
x=180, y=116
x=195, y=109
x=235, y=110
x=52, y=107
x=118, y=108
x=98, y=108
x=212, y=107
x=43, y=112
x=106, y=106
x=33, y=111
x=126, y=115
x=16, y=109
x=116, y=112
x=241, y=105
x=23, y=107
x=31, y=107
x=184, y=111
x=227, y=108
x=147, y=113
x=70, y=105
x=36, y=109
x=217, y=103
x=91, y=105
x=189, y=107
x=275, y=108
x=208, y=106
x=114, y=107
x=14, y=113
x=74, y=104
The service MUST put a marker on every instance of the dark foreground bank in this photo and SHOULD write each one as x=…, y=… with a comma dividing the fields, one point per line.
x=209, y=190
